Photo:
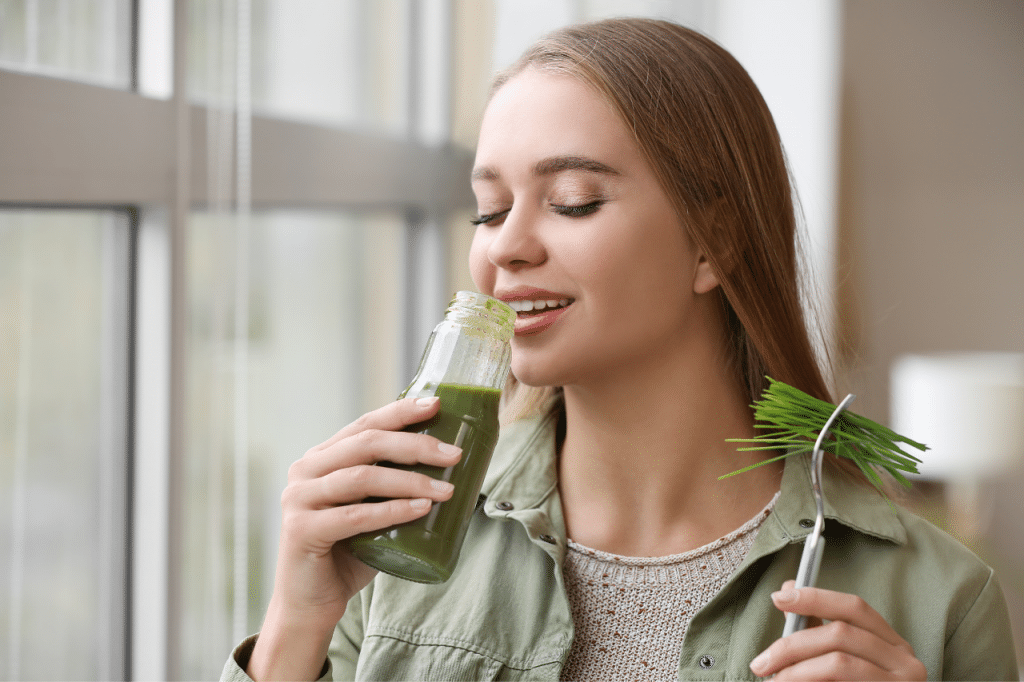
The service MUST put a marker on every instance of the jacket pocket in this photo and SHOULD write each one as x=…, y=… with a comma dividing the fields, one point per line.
x=389, y=658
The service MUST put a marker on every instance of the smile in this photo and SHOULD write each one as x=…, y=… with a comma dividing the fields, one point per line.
x=538, y=305
x=536, y=318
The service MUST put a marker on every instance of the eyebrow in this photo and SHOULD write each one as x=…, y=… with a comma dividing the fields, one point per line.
x=552, y=165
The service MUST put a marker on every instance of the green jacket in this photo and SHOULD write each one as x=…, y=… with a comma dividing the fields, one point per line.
x=504, y=614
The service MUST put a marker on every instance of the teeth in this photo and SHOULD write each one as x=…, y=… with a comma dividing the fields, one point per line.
x=530, y=306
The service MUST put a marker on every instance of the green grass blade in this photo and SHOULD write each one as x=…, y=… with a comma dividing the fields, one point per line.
x=794, y=418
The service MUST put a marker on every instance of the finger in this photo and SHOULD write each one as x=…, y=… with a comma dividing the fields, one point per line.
x=319, y=530
x=830, y=605
x=371, y=446
x=836, y=637
x=354, y=484
x=340, y=523
x=391, y=417
x=811, y=622
x=834, y=666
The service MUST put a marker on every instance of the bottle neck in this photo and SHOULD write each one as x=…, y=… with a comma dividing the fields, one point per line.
x=470, y=347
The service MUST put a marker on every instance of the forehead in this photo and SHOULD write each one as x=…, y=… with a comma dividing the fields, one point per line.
x=541, y=113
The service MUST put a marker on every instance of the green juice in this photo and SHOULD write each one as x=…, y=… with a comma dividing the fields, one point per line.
x=427, y=549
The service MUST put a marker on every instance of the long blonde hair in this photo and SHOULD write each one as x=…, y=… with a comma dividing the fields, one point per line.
x=704, y=128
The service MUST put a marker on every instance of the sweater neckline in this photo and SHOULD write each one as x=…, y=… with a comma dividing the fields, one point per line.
x=749, y=527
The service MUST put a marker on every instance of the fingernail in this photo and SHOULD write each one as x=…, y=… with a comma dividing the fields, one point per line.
x=419, y=504
x=785, y=596
x=449, y=450
x=427, y=402
x=761, y=662
x=441, y=486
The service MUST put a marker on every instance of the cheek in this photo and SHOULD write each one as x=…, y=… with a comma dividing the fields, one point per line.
x=480, y=267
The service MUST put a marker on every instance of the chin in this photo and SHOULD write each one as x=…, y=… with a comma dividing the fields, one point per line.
x=528, y=378
x=534, y=374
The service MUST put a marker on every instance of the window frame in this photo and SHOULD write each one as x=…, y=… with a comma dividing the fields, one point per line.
x=73, y=144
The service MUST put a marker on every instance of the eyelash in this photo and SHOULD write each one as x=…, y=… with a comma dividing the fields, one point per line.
x=577, y=211
x=568, y=211
x=489, y=218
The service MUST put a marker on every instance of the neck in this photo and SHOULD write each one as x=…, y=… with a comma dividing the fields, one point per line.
x=643, y=451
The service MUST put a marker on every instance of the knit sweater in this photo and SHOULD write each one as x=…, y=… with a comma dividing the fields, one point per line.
x=630, y=613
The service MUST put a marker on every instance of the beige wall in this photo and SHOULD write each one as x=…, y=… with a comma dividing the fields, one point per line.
x=932, y=187
x=932, y=203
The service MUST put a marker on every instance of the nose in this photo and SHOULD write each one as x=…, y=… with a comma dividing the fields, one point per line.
x=515, y=244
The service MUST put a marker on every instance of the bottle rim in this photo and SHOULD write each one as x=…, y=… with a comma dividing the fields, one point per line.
x=467, y=305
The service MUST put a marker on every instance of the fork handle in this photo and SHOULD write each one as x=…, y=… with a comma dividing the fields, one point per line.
x=806, y=576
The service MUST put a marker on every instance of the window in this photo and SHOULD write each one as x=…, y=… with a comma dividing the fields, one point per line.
x=344, y=64
x=304, y=199
x=324, y=307
x=86, y=40
x=64, y=413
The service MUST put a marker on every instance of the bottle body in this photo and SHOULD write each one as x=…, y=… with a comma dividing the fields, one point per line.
x=465, y=364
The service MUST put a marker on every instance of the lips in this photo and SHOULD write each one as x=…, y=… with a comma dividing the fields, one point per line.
x=536, y=309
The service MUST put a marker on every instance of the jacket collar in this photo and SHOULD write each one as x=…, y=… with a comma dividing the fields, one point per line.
x=848, y=501
x=524, y=471
x=523, y=475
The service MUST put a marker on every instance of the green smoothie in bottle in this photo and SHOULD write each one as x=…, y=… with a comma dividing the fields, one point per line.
x=465, y=364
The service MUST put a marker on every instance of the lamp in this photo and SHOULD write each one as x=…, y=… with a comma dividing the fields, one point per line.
x=969, y=409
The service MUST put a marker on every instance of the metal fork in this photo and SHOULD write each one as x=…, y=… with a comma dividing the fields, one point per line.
x=814, y=545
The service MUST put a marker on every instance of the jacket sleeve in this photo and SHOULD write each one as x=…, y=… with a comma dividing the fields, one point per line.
x=342, y=654
x=238, y=661
x=981, y=647
x=348, y=639
x=234, y=668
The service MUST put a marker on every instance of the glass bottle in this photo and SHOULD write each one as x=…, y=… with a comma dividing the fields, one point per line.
x=465, y=363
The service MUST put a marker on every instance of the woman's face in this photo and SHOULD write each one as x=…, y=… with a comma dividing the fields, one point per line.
x=572, y=217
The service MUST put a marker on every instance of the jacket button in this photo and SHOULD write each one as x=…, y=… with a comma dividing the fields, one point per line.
x=505, y=506
x=807, y=523
x=707, y=662
x=550, y=539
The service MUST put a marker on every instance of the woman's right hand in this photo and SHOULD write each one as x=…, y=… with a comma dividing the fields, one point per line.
x=323, y=505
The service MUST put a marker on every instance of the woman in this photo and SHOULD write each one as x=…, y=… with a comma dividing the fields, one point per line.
x=631, y=169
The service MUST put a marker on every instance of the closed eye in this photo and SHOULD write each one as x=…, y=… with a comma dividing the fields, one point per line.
x=577, y=211
x=489, y=218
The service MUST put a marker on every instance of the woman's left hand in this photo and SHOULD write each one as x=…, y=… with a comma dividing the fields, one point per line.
x=858, y=644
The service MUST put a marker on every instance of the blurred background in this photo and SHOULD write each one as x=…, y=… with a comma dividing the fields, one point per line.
x=227, y=227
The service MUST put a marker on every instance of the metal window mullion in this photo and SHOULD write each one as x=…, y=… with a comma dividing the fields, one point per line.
x=426, y=287
x=180, y=208
x=413, y=75
x=243, y=221
x=425, y=293
x=411, y=337
x=134, y=28
x=115, y=407
x=433, y=93
x=128, y=475
x=31, y=33
x=19, y=476
x=151, y=450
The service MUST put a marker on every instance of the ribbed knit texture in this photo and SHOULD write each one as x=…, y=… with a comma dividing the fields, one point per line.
x=631, y=613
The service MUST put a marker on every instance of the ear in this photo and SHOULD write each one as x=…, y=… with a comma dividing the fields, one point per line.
x=704, y=278
x=716, y=234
